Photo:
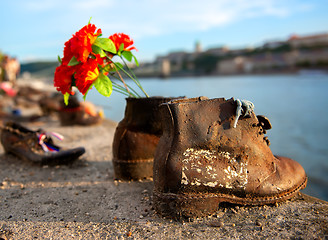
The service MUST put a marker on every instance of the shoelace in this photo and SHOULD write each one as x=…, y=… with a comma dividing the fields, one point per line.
x=249, y=107
x=46, y=146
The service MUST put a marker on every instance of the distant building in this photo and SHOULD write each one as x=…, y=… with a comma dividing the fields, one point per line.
x=219, y=51
x=233, y=65
x=198, y=48
x=273, y=44
x=165, y=68
x=176, y=57
x=307, y=41
x=272, y=56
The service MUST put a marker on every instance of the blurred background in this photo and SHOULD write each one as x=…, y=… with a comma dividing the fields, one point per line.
x=273, y=53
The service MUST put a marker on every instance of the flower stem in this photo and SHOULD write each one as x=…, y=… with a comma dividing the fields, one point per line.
x=122, y=89
x=122, y=92
x=121, y=79
x=131, y=89
x=127, y=88
x=134, y=78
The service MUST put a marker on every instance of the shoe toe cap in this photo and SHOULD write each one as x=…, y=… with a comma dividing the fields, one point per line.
x=288, y=177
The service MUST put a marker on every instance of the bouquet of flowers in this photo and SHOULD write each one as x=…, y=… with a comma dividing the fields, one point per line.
x=88, y=61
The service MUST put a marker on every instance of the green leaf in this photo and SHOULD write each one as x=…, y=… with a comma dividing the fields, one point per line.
x=73, y=61
x=89, y=20
x=66, y=97
x=135, y=60
x=59, y=59
x=127, y=55
x=104, y=85
x=120, y=49
x=105, y=44
x=86, y=93
x=98, y=50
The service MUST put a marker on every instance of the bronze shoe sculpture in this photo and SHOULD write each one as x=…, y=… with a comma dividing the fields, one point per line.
x=136, y=138
x=36, y=146
x=213, y=151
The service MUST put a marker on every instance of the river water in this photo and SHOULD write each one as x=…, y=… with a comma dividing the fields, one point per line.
x=297, y=106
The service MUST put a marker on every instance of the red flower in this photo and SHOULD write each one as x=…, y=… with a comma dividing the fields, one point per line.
x=80, y=44
x=68, y=54
x=119, y=38
x=63, y=79
x=87, y=73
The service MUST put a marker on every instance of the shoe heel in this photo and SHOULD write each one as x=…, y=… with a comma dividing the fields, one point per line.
x=180, y=206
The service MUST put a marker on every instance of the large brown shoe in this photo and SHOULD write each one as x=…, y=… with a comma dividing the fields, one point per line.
x=208, y=155
x=25, y=144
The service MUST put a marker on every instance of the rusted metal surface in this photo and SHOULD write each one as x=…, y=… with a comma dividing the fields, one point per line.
x=136, y=138
x=202, y=160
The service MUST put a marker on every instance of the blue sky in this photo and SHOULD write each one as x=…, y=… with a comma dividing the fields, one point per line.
x=38, y=29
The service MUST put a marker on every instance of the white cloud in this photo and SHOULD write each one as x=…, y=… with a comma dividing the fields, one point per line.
x=91, y=4
x=57, y=20
x=36, y=5
x=46, y=5
x=146, y=17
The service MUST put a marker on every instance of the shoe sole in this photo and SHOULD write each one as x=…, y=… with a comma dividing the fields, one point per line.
x=133, y=169
x=191, y=205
